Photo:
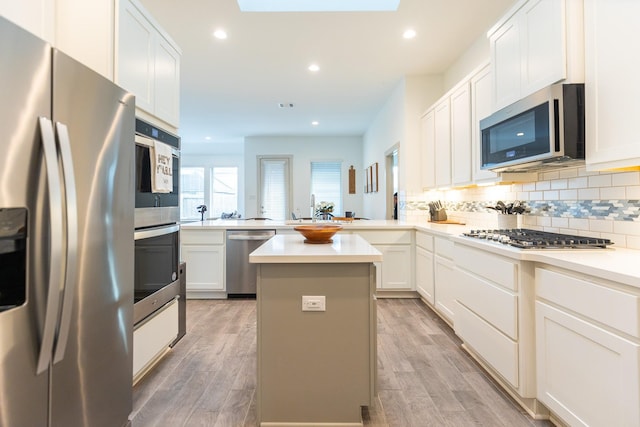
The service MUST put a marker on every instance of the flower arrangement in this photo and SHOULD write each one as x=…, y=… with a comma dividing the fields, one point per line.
x=324, y=208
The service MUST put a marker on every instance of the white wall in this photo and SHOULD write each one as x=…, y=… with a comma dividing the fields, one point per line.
x=398, y=123
x=304, y=150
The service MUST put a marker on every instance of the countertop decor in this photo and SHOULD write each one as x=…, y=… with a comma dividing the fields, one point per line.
x=318, y=233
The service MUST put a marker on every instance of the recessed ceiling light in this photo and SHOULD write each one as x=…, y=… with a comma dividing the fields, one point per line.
x=409, y=33
x=207, y=138
x=220, y=34
x=285, y=104
x=317, y=5
x=314, y=68
x=315, y=123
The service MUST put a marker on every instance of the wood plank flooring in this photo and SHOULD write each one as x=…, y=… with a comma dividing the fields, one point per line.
x=424, y=377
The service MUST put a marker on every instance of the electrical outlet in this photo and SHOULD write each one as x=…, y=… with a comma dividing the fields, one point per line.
x=314, y=303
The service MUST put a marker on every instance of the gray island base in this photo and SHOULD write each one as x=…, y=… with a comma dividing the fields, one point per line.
x=316, y=323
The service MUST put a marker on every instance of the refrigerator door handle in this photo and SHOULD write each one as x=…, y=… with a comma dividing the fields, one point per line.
x=71, y=261
x=56, y=242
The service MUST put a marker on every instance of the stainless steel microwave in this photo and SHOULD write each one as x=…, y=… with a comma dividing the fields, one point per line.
x=543, y=130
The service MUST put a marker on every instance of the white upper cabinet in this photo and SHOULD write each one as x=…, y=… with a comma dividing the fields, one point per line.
x=612, y=40
x=480, y=109
x=148, y=63
x=530, y=48
x=83, y=30
x=461, y=135
x=35, y=16
x=428, y=147
x=443, y=143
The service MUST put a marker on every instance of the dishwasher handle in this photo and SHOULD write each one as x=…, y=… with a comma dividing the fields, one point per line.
x=263, y=236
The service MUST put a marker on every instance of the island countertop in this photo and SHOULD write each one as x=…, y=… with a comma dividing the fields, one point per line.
x=291, y=249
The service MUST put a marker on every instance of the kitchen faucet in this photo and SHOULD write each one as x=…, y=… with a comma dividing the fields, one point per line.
x=313, y=208
x=201, y=210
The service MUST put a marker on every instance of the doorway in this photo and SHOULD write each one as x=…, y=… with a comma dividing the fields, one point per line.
x=391, y=167
x=275, y=187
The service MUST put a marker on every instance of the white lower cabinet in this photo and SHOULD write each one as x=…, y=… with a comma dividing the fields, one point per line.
x=425, y=275
x=494, y=317
x=588, y=349
x=444, y=281
x=395, y=272
x=204, y=253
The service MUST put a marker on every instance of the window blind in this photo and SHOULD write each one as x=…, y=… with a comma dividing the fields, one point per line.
x=326, y=184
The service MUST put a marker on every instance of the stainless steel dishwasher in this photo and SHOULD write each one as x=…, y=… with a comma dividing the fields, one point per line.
x=241, y=275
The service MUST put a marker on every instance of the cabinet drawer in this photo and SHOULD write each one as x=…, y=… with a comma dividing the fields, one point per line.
x=614, y=308
x=203, y=237
x=154, y=336
x=444, y=247
x=492, y=303
x=494, y=347
x=386, y=237
x=494, y=268
x=424, y=241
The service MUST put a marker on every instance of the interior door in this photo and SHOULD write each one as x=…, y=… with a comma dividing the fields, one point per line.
x=275, y=187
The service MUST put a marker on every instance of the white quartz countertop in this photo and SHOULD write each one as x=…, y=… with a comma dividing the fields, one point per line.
x=615, y=264
x=290, y=248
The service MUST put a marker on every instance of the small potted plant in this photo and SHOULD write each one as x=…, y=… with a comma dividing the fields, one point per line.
x=324, y=210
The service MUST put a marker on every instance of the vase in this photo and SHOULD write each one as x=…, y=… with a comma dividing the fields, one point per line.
x=324, y=216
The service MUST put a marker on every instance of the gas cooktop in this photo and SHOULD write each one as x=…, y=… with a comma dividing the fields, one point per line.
x=533, y=239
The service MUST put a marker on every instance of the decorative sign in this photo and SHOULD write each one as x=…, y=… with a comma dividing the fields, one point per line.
x=352, y=180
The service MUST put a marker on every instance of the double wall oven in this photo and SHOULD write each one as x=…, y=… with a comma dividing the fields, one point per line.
x=157, y=232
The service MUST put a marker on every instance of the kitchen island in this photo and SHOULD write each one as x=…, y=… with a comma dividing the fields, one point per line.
x=316, y=323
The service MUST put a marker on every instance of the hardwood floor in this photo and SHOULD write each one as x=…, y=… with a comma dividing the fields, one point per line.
x=424, y=377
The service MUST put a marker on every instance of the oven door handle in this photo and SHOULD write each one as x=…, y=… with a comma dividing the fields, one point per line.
x=155, y=232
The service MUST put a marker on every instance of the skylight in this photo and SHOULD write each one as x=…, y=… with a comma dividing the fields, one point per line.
x=318, y=5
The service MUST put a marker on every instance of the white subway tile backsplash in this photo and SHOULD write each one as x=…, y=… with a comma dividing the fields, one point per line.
x=618, y=240
x=633, y=242
x=633, y=192
x=529, y=186
x=601, y=225
x=608, y=193
x=551, y=195
x=579, y=223
x=544, y=221
x=559, y=184
x=584, y=172
x=625, y=178
x=523, y=195
x=536, y=195
x=543, y=185
x=568, y=195
x=600, y=181
x=582, y=182
x=588, y=194
x=560, y=222
x=627, y=227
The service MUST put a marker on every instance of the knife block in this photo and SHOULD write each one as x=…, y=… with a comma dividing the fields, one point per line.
x=439, y=215
x=507, y=222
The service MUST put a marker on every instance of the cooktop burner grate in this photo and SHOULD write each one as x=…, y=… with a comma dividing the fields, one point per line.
x=534, y=239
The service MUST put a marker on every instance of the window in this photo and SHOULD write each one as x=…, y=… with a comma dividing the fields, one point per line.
x=275, y=188
x=191, y=191
x=326, y=184
x=216, y=187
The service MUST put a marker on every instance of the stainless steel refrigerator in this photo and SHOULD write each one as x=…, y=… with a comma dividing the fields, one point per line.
x=66, y=239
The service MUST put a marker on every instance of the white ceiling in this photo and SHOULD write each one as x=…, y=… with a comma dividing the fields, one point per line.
x=231, y=89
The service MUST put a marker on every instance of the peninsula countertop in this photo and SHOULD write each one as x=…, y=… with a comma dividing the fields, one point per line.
x=291, y=249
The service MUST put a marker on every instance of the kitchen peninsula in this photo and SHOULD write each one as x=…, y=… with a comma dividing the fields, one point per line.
x=316, y=322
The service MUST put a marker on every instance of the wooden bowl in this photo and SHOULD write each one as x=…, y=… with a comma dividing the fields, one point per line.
x=320, y=233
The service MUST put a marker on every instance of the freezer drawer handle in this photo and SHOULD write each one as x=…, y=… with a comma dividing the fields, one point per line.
x=64, y=146
x=56, y=228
